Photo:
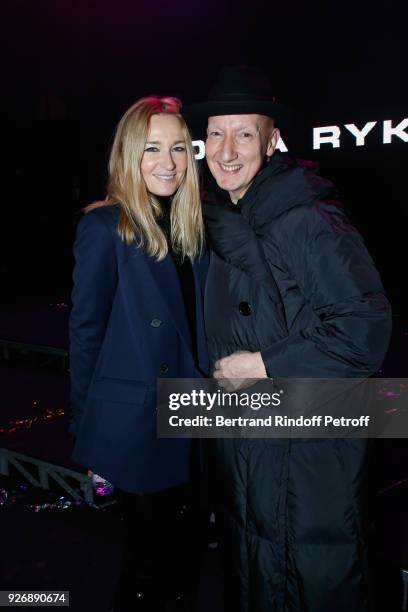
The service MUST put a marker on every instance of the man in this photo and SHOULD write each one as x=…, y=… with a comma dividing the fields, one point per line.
x=291, y=292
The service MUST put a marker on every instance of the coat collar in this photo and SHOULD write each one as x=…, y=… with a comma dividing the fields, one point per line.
x=236, y=231
x=282, y=184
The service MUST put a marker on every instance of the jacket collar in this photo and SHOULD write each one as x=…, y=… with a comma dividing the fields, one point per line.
x=235, y=230
x=280, y=185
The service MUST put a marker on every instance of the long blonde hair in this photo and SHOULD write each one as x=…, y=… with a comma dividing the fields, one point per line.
x=139, y=209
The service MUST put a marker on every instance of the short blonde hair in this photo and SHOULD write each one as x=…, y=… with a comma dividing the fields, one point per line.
x=141, y=209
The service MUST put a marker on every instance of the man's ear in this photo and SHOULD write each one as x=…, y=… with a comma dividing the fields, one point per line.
x=272, y=142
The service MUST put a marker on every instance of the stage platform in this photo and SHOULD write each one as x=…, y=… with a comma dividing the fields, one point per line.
x=43, y=329
x=34, y=437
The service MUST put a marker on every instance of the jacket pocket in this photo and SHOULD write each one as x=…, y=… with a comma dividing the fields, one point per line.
x=118, y=390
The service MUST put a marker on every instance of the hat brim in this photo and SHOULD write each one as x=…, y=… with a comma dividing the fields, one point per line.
x=203, y=110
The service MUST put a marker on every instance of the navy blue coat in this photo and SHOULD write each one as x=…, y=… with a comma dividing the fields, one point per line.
x=127, y=328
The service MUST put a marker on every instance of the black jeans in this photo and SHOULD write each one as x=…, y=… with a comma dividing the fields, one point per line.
x=164, y=542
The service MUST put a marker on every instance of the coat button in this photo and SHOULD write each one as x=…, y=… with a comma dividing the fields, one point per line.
x=245, y=309
x=164, y=368
x=155, y=322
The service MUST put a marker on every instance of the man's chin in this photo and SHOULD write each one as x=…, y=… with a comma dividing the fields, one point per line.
x=227, y=183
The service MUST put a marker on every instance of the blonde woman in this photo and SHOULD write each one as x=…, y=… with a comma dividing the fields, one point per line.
x=137, y=316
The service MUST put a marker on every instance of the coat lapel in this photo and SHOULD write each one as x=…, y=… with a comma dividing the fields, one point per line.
x=166, y=279
x=200, y=269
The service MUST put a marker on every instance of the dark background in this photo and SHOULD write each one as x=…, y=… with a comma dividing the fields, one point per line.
x=71, y=68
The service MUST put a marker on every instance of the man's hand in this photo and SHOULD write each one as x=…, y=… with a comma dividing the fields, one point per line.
x=239, y=370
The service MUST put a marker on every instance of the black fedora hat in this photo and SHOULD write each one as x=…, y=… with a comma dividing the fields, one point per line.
x=239, y=90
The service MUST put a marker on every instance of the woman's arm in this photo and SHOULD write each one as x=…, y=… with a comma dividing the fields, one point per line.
x=95, y=281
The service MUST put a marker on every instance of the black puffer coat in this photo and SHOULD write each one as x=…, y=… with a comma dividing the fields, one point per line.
x=290, y=276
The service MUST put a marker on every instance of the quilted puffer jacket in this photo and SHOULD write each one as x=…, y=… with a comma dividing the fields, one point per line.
x=290, y=276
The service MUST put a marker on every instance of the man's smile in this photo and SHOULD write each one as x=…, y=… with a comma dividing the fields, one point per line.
x=230, y=168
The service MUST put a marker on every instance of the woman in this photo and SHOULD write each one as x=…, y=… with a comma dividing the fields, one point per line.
x=137, y=316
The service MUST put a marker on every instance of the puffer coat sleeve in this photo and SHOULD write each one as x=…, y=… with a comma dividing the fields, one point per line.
x=349, y=327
